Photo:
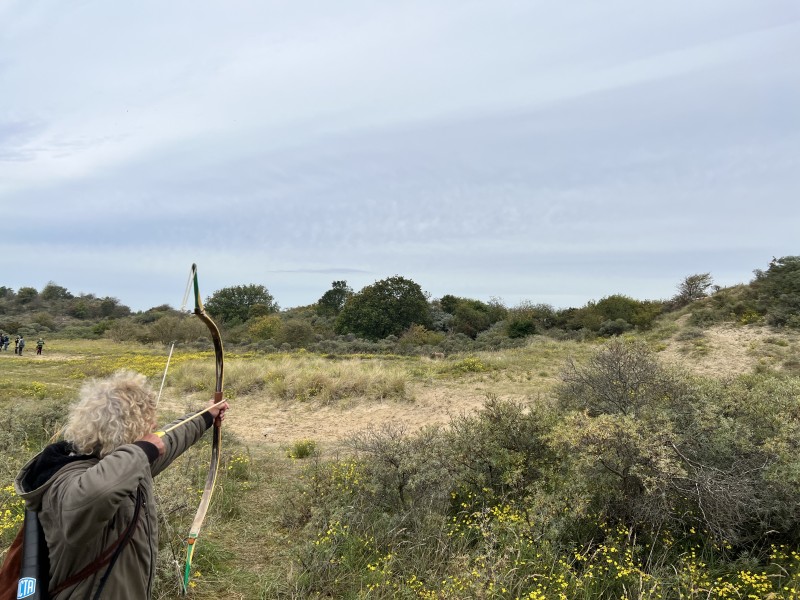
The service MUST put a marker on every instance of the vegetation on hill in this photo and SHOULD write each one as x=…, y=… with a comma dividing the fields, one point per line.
x=624, y=477
x=394, y=315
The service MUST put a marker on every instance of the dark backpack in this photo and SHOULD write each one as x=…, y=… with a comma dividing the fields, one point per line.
x=25, y=573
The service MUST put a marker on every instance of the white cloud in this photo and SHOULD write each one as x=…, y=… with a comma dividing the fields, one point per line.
x=461, y=143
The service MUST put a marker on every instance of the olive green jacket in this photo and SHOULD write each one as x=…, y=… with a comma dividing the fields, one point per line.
x=85, y=504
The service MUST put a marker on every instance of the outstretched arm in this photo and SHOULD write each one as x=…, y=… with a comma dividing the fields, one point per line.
x=183, y=433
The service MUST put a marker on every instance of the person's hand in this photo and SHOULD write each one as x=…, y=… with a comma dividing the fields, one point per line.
x=218, y=412
x=157, y=441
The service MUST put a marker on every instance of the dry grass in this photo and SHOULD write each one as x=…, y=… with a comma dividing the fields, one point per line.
x=278, y=399
x=728, y=350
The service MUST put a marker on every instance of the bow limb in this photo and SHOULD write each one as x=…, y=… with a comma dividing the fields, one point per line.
x=216, y=444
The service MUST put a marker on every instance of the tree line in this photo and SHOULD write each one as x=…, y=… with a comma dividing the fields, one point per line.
x=396, y=311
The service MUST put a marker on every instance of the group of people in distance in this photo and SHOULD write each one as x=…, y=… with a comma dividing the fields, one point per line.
x=19, y=343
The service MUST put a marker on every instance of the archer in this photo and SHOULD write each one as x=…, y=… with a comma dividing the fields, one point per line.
x=93, y=491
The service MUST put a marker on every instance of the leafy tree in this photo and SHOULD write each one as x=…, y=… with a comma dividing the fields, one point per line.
x=527, y=318
x=10, y=326
x=449, y=303
x=387, y=307
x=124, y=330
x=155, y=313
x=616, y=306
x=259, y=310
x=646, y=313
x=693, y=288
x=778, y=291
x=172, y=328
x=52, y=291
x=613, y=309
x=78, y=308
x=441, y=320
x=111, y=307
x=233, y=304
x=332, y=301
x=44, y=319
x=26, y=295
x=470, y=317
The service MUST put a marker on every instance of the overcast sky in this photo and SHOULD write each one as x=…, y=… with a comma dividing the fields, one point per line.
x=527, y=150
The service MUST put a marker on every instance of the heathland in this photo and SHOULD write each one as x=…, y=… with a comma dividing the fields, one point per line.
x=653, y=456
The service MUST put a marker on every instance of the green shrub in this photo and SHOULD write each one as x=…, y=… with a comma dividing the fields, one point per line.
x=266, y=327
x=297, y=333
x=519, y=328
x=612, y=328
x=302, y=449
x=470, y=317
x=417, y=335
x=656, y=450
x=706, y=317
x=470, y=364
x=778, y=291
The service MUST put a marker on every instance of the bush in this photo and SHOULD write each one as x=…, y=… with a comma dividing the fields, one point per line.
x=471, y=317
x=265, y=327
x=706, y=317
x=417, y=335
x=526, y=319
x=302, y=449
x=297, y=333
x=778, y=291
x=624, y=377
x=612, y=328
x=654, y=450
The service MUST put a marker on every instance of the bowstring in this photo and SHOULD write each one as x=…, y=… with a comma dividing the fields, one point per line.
x=172, y=347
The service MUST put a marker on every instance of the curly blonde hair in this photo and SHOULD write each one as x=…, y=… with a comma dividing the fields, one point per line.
x=111, y=412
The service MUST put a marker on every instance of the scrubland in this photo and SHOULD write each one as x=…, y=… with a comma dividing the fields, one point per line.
x=658, y=465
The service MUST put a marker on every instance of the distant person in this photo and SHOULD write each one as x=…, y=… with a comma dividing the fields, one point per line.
x=21, y=344
x=6, y=342
x=16, y=345
x=39, y=345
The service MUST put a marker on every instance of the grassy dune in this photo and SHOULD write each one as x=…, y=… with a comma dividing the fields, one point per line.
x=369, y=513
